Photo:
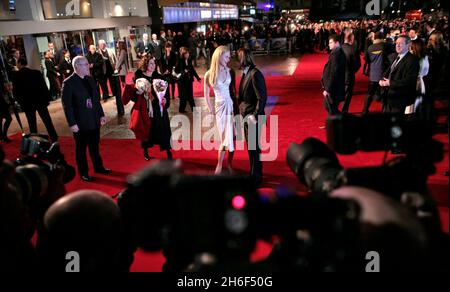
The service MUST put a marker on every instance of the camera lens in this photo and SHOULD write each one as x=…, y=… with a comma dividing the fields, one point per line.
x=315, y=164
x=32, y=181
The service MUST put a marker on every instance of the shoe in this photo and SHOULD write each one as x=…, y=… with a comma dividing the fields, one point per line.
x=169, y=155
x=103, y=171
x=147, y=157
x=322, y=127
x=86, y=178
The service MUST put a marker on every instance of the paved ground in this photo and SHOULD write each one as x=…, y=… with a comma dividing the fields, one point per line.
x=118, y=127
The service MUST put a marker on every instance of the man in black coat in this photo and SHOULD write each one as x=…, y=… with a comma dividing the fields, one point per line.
x=252, y=102
x=84, y=114
x=353, y=63
x=33, y=95
x=399, y=83
x=333, y=77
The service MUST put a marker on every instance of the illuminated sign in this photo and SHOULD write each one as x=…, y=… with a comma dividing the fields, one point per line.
x=179, y=15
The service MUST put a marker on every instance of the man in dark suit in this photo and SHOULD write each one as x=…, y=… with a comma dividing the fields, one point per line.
x=143, y=46
x=84, y=114
x=252, y=102
x=333, y=77
x=33, y=95
x=400, y=79
x=353, y=63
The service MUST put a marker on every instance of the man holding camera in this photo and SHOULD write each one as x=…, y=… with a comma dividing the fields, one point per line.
x=84, y=113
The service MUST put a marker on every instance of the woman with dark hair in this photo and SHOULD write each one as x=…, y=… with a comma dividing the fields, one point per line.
x=418, y=50
x=437, y=53
x=160, y=132
x=167, y=65
x=122, y=61
x=185, y=74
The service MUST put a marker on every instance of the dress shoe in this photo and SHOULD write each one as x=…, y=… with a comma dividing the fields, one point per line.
x=103, y=171
x=86, y=178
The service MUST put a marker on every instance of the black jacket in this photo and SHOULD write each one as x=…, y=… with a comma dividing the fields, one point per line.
x=353, y=62
x=252, y=93
x=403, y=78
x=74, y=101
x=333, y=77
x=30, y=89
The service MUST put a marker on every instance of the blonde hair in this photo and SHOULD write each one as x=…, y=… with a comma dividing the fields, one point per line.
x=215, y=64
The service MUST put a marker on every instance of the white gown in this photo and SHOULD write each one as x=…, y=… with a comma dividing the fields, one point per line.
x=224, y=113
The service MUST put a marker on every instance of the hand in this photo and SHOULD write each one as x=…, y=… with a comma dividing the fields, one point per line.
x=163, y=102
x=57, y=74
x=327, y=96
x=252, y=119
x=116, y=71
x=103, y=121
x=75, y=129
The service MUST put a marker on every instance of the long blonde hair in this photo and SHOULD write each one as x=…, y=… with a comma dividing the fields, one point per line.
x=215, y=64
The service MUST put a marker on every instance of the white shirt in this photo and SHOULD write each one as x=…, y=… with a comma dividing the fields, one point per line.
x=246, y=70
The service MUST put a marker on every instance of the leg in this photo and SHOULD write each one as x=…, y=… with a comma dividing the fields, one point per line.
x=114, y=83
x=191, y=96
x=182, y=94
x=230, y=162
x=81, y=141
x=220, y=156
x=348, y=96
x=103, y=84
x=47, y=120
x=31, y=118
x=94, y=149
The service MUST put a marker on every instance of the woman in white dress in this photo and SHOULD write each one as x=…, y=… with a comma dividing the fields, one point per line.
x=220, y=78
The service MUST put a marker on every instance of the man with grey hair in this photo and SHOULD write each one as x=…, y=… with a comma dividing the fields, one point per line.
x=84, y=114
x=399, y=82
x=109, y=63
x=143, y=46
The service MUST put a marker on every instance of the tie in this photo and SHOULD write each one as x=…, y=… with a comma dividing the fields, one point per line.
x=394, y=65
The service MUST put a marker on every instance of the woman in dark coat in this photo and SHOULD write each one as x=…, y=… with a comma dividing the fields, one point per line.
x=167, y=65
x=186, y=74
x=160, y=133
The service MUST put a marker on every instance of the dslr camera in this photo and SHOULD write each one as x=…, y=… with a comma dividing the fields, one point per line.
x=38, y=163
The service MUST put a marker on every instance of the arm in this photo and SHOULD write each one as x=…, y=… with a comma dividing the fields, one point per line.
x=410, y=79
x=259, y=86
x=67, y=103
x=206, y=89
x=194, y=73
x=120, y=61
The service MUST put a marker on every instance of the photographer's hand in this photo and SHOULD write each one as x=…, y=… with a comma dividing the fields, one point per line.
x=75, y=129
x=103, y=121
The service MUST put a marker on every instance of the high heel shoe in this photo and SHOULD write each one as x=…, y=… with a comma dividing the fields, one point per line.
x=169, y=155
x=218, y=170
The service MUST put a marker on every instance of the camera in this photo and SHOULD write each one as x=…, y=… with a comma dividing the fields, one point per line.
x=213, y=222
x=38, y=164
x=317, y=166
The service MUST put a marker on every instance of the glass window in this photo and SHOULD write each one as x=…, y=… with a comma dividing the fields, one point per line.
x=120, y=8
x=63, y=9
x=7, y=9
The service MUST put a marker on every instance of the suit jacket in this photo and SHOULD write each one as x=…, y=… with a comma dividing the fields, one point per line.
x=30, y=89
x=403, y=78
x=51, y=68
x=140, y=48
x=64, y=66
x=353, y=62
x=97, y=60
x=74, y=101
x=333, y=77
x=252, y=93
x=122, y=63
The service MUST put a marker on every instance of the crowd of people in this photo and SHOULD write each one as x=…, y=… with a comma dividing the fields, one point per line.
x=406, y=62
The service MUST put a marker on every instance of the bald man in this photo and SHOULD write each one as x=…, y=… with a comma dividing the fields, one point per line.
x=84, y=225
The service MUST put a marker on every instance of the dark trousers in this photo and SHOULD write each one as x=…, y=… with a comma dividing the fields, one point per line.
x=348, y=95
x=117, y=91
x=254, y=150
x=332, y=108
x=186, y=92
x=372, y=92
x=46, y=119
x=4, y=126
x=87, y=139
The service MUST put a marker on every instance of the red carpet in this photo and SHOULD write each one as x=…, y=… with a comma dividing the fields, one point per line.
x=300, y=113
